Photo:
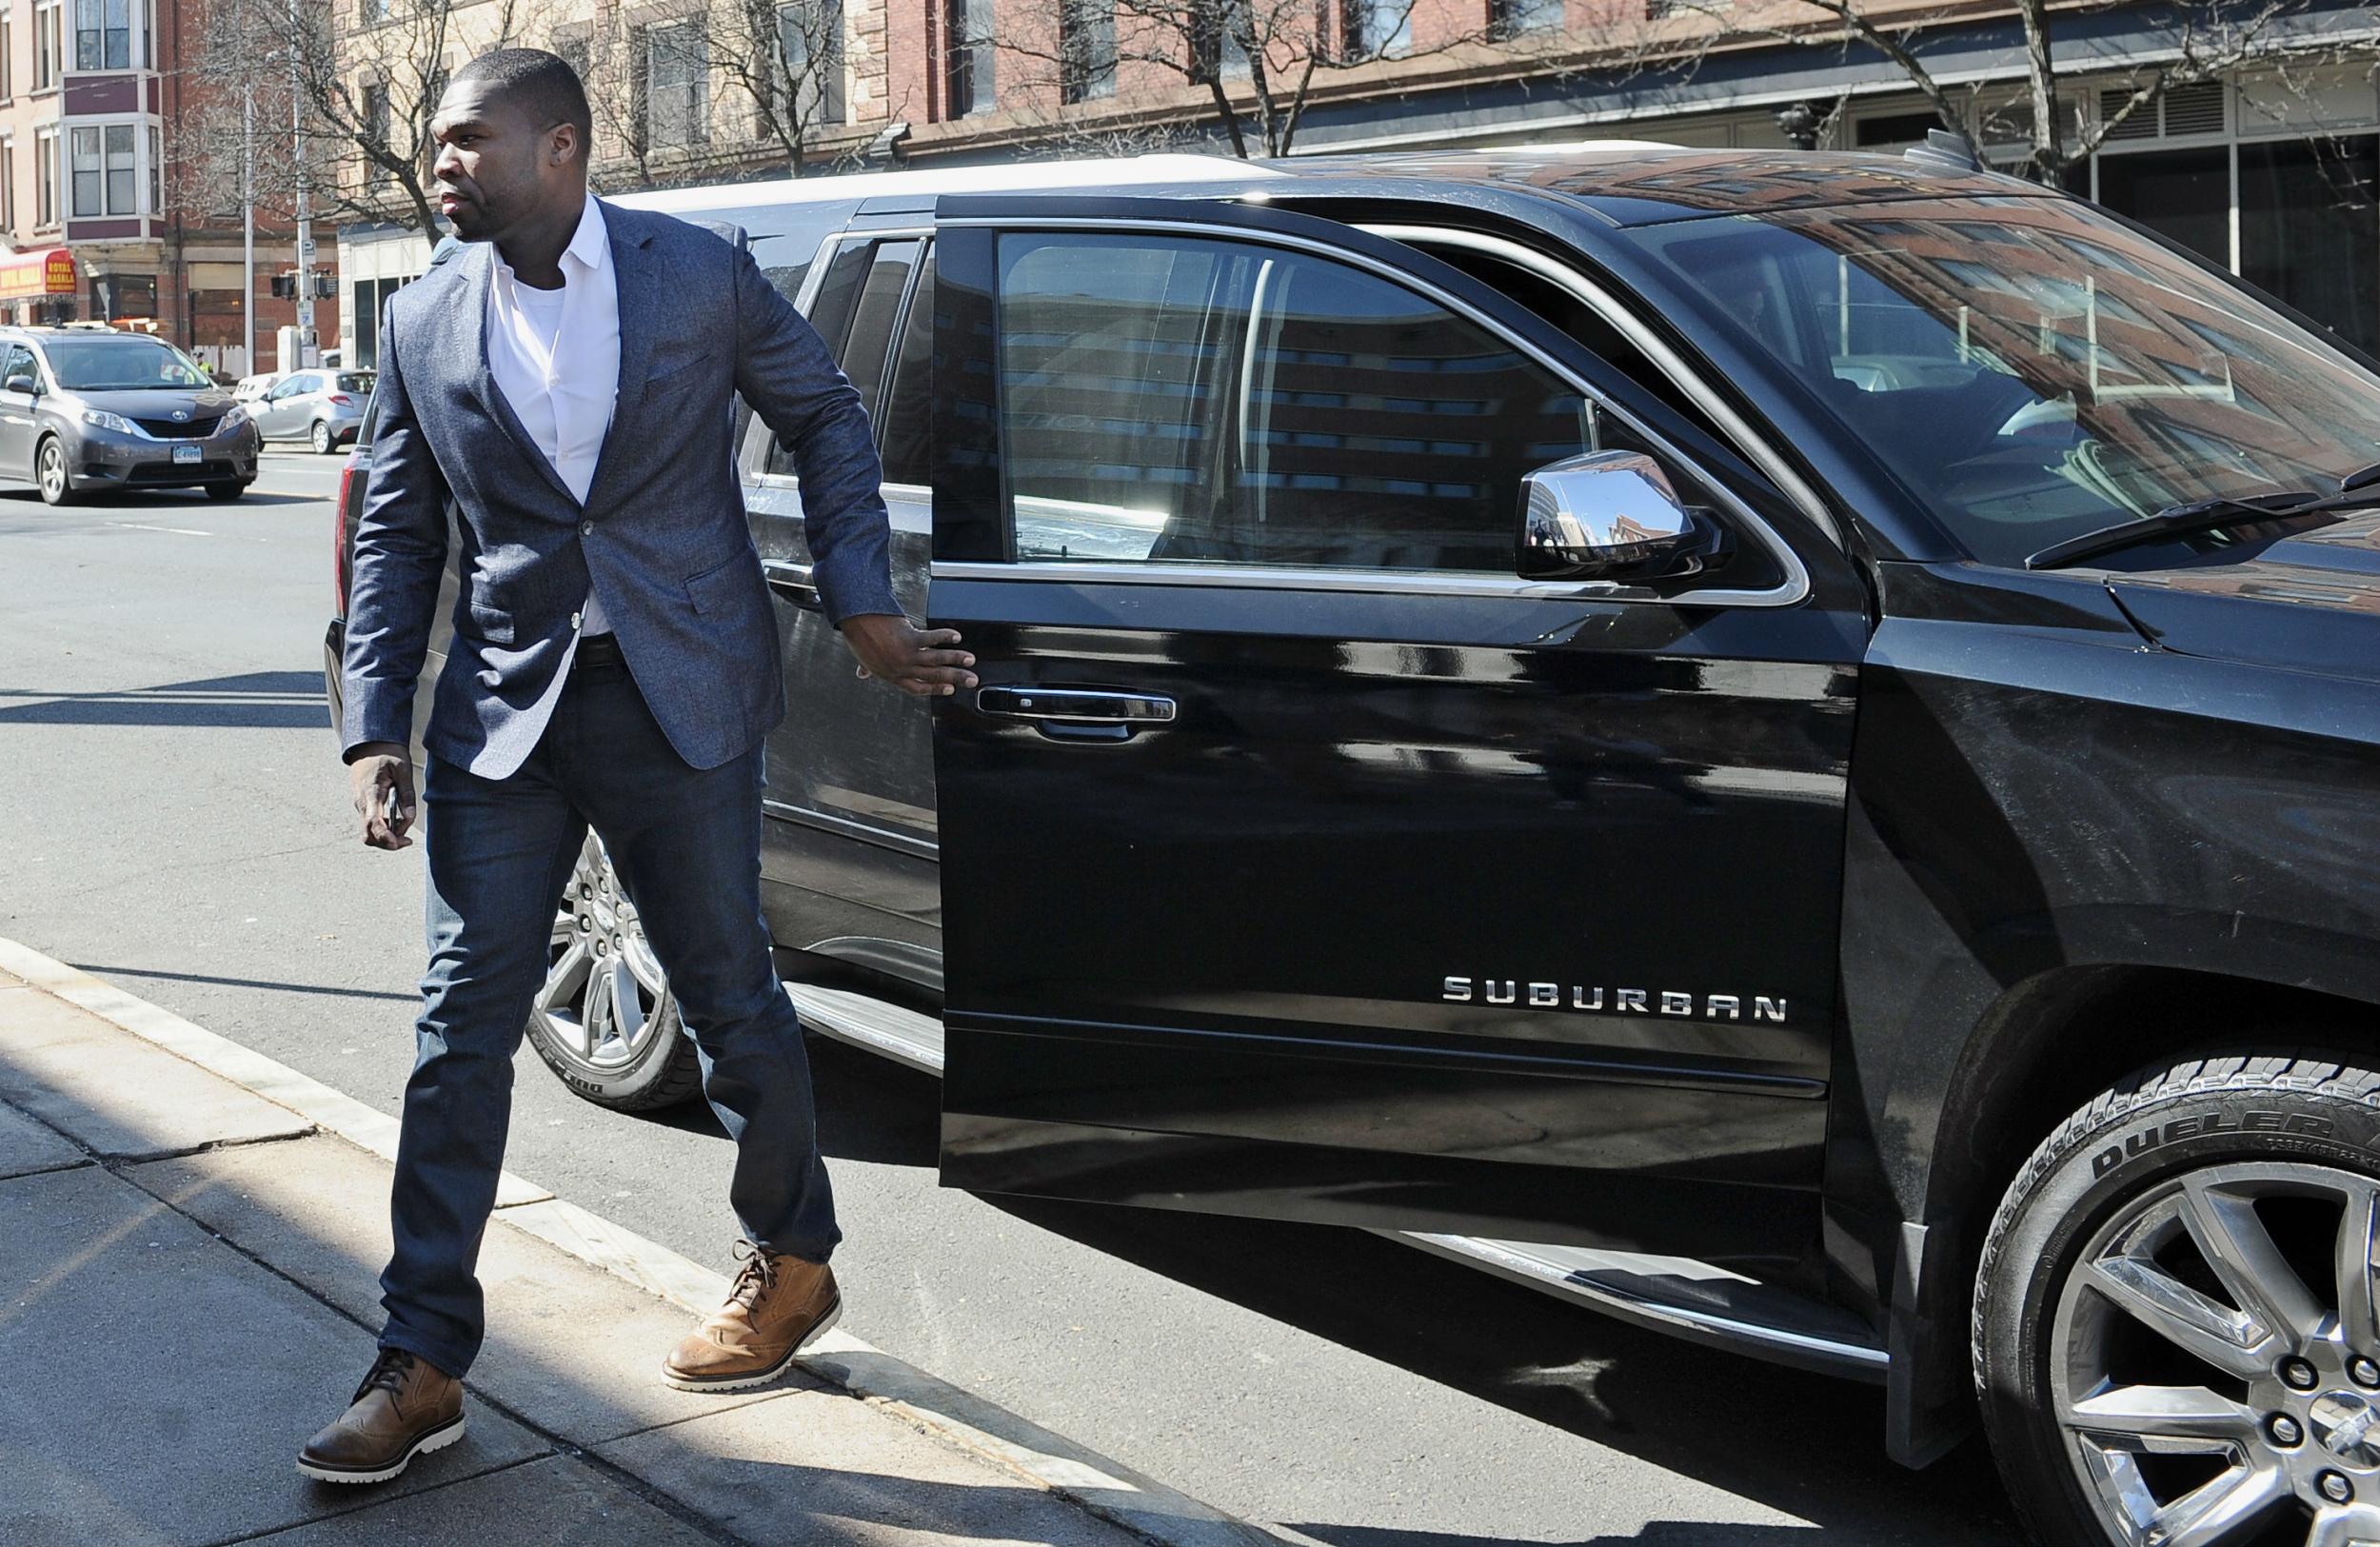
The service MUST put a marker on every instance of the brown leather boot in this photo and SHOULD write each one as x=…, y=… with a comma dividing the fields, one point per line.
x=776, y=1306
x=406, y=1407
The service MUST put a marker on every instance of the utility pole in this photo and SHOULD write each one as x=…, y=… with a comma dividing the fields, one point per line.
x=247, y=219
x=304, y=224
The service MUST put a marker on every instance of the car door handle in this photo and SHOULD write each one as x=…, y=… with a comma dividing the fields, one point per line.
x=1081, y=706
x=792, y=581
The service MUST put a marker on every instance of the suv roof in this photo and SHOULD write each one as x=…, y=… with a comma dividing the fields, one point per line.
x=1629, y=181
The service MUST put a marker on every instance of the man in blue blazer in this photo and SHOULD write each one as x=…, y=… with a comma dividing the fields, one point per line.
x=566, y=382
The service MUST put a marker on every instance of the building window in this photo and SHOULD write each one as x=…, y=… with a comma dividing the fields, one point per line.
x=968, y=83
x=45, y=178
x=8, y=187
x=810, y=39
x=156, y=170
x=374, y=12
x=46, y=39
x=576, y=52
x=1219, y=30
x=1509, y=19
x=1378, y=29
x=8, y=57
x=1086, y=44
x=376, y=119
x=675, y=77
x=103, y=34
x=148, y=34
x=104, y=173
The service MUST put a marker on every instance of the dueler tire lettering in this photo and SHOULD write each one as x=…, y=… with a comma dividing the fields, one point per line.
x=2302, y=1106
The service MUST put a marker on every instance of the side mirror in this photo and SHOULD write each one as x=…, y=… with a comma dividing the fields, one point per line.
x=22, y=382
x=1605, y=514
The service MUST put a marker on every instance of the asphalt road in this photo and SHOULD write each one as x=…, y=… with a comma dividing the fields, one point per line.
x=173, y=817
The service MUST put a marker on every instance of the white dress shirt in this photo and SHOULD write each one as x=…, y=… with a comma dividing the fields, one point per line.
x=555, y=355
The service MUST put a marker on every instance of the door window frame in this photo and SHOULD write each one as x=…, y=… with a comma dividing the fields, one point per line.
x=752, y=457
x=1748, y=526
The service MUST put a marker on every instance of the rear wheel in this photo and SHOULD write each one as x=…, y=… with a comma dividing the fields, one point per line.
x=2176, y=1324
x=50, y=472
x=323, y=442
x=606, y=1020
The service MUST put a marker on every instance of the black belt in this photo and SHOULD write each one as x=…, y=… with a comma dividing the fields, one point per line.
x=597, y=650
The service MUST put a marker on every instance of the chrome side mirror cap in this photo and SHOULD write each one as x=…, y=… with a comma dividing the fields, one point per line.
x=1603, y=514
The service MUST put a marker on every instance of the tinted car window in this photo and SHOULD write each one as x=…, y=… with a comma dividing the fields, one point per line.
x=1198, y=400
x=99, y=365
x=2028, y=368
x=909, y=417
x=356, y=380
x=857, y=304
x=18, y=363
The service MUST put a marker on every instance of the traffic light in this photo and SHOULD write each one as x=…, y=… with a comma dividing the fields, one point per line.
x=285, y=286
x=325, y=286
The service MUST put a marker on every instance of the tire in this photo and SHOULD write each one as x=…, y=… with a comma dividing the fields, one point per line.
x=2174, y=1331
x=225, y=491
x=51, y=473
x=606, y=1020
x=325, y=442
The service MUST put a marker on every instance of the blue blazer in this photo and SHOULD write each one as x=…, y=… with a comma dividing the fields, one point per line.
x=661, y=537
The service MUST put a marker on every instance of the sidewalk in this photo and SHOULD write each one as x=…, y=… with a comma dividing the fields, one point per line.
x=187, y=1289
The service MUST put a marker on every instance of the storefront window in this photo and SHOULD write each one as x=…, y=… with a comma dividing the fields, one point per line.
x=2182, y=194
x=2309, y=228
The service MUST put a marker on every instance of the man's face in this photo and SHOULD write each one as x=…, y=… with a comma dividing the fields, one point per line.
x=495, y=165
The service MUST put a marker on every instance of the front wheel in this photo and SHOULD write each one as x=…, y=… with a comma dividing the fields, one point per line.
x=2176, y=1323
x=606, y=1020
x=226, y=491
x=50, y=472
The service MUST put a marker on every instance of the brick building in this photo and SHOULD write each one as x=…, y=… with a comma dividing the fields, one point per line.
x=96, y=97
x=2279, y=180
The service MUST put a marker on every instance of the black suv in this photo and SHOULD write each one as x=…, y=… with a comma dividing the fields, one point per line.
x=1788, y=745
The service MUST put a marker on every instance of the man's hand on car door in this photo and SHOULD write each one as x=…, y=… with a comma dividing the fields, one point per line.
x=915, y=660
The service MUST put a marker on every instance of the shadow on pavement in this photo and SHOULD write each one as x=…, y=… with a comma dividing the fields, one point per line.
x=273, y=984
x=255, y=700
x=1802, y=1444
x=175, y=1323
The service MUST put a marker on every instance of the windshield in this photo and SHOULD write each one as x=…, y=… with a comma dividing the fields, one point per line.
x=2030, y=369
x=107, y=365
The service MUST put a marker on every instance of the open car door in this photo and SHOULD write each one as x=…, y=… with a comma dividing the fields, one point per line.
x=1302, y=857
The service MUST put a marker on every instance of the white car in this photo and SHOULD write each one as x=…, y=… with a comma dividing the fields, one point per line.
x=251, y=387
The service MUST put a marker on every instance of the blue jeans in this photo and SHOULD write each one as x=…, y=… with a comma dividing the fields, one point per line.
x=686, y=843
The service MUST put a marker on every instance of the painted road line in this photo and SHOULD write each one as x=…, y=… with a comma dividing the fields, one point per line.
x=178, y=531
x=1106, y=1488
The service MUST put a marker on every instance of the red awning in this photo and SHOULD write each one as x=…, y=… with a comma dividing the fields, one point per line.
x=30, y=275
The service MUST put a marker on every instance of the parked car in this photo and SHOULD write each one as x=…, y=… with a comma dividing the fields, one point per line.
x=1786, y=745
x=247, y=388
x=89, y=410
x=320, y=408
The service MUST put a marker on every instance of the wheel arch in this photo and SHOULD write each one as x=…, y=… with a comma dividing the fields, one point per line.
x=2046, y=1045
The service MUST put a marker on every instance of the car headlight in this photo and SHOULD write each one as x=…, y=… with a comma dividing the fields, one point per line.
x=108, y=421
x=233, y=419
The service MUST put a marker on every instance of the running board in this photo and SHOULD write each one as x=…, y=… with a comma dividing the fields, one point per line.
x=900, y=1035
x=1679, y=1296
x=1674, y=1294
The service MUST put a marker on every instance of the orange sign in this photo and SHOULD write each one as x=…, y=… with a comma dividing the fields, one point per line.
x=30, y=275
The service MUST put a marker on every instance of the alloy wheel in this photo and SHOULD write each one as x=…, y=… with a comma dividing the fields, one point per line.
x=321, y=438
x=2215, y=1361
x=53, y=472
x=605, y=997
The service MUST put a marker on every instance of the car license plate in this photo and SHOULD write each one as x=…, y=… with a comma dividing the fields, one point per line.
x=189, y=453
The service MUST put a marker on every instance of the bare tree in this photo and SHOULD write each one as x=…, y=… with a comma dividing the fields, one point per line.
x=2192, y=42
x=365, y=76
x=720, y=86
x=1257, y=61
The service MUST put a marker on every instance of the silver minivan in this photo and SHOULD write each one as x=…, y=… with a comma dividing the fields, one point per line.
x=323, y=408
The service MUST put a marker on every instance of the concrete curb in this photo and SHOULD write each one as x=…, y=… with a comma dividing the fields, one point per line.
x=1105, y=1488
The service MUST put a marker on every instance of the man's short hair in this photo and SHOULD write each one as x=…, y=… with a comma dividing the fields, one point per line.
x=542, y=84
